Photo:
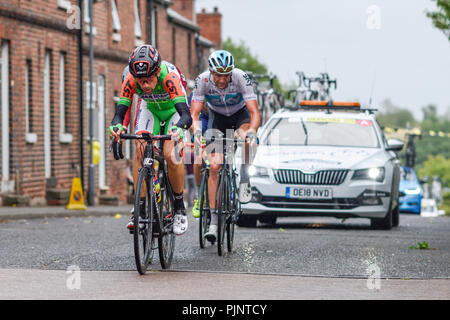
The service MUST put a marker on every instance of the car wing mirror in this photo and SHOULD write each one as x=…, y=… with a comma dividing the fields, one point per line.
x=394, y=145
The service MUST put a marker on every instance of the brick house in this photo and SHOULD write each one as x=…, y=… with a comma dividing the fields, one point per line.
x=44, y=84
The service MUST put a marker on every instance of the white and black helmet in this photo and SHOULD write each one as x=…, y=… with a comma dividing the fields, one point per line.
x=221, y=61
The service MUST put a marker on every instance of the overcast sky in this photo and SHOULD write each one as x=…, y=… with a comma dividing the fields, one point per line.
x=388, y=48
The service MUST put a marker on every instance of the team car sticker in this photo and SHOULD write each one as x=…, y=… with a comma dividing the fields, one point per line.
x=337, y=120
x=361, y=122
x=364, y=123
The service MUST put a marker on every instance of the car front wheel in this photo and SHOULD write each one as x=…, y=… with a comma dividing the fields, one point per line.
x=396, y=217
x=247, y=221
x=385, y=223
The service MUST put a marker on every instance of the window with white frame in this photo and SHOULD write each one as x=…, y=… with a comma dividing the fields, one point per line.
x=115, y=22
x=47, y=113
x=6, y=184
x=87, y=19
x=30, y=137
x=64, y=4
x=90, y=105
x=153, y=27
x=64, y=137
x=137, y=25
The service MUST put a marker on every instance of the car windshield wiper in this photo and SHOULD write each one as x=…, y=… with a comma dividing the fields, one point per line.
x=306, y=131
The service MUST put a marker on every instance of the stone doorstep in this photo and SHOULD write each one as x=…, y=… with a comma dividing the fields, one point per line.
x=15, y=200
x=57, y=197
x=58, y=194
x=112, y=200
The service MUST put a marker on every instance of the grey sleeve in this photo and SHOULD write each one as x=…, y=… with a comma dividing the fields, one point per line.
x=245, y=82
x=198, y=92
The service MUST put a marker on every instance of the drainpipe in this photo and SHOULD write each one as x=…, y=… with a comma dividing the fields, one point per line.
x=151, y=25
x=80, y=94
x=91, y=170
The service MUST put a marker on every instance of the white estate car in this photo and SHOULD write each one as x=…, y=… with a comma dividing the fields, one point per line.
x=324, y=160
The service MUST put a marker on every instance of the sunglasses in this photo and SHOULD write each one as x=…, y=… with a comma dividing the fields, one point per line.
x=222, y=70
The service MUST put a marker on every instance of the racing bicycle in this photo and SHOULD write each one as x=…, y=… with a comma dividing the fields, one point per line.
x=227, y=201
x=205, y=213
x=269, y=100
x=153, y=217
x=313, y=88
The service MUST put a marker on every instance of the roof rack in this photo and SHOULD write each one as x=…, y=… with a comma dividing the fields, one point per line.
x=331, y=105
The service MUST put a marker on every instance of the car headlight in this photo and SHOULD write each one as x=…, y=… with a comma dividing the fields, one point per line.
x=369, y=174
x=255, y=171
x=412, y=191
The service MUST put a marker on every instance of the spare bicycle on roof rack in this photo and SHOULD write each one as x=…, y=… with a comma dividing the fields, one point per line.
x=269, y=99
x=312, y=88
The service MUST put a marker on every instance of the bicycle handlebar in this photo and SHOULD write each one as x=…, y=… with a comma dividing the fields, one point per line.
x=233, y=140
x=145, y=136
x=116, y=147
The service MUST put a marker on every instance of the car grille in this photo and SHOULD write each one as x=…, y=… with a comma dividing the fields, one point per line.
x=324, y=177
x=336, y=203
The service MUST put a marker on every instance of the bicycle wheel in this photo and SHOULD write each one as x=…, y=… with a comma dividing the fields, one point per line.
x=222, y=209
x=235, y=212
x=205, y=214
x=143, y=223
x=166, y=237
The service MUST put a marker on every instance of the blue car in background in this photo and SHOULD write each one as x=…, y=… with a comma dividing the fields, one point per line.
x=411, y=191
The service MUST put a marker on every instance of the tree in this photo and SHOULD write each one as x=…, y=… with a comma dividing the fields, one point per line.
x=436, y=166
x=441, y=17
x=246, y=61
x=433, y=145
x=395, y=117
x=425, y=145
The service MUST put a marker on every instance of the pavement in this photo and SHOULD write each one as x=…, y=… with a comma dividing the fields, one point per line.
x=75, y=284
x=17, y=213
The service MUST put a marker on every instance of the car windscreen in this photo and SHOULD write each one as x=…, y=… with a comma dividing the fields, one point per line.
x=407, y=175
x=321, y=131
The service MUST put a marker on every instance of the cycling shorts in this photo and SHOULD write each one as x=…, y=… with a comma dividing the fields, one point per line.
x=204, y=118
x=147, y=121
x=218, y=125
x=222, y=123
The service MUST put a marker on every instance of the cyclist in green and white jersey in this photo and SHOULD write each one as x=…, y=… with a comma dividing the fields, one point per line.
x=163, y=102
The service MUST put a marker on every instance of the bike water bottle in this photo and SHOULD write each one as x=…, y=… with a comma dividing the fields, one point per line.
x=157, y=189
x=156, y=181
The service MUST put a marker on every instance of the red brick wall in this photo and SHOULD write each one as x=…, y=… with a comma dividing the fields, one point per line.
x=32, y=27
x=29, y=42
x=184, y=7
x=164, y=34
x=181, y=51
x=210, y=24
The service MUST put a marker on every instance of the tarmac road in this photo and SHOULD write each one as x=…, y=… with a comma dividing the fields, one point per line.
x=307, y=258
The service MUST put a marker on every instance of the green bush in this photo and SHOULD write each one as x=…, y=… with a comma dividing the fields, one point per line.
x=445, y=203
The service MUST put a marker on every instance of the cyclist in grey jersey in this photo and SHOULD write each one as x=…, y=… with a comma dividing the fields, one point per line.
x=232, y=105
x=225, y=101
